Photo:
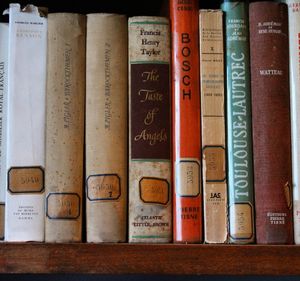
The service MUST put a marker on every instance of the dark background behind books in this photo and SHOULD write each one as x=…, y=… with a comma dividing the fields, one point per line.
x=130, y=8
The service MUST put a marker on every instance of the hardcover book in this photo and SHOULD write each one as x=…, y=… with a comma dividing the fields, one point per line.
x=150, y=213
x=213, y=126
x=3, y=120
x=106, y=127
x=239, y=136
x=271, y=122
x=294, y=58
x=65, y=127
x=186, y=158
x=25, y=204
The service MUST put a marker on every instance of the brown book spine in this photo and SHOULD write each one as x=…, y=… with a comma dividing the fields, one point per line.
x=269, y=54
x=65, y=127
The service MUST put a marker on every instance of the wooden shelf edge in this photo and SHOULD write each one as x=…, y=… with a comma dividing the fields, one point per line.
x=170, y=259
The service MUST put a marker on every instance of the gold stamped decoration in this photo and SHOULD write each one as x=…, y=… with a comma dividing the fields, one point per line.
x=188, y=172
x=103, y=187
x=241, y=225
x=154, y=190
x=63, y=206
x=25, y=179
x=214, y=159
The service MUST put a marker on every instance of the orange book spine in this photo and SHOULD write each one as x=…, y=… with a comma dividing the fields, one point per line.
x=187, y=195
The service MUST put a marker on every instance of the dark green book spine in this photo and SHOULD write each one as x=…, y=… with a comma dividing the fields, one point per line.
x=239, y=137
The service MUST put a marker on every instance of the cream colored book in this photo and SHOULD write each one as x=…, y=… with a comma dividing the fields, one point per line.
x=150, y=203
x=213, y=126
x=294, y=47
x=65, y=127
x=25, y=204
x=3, y=121
x=106, y=128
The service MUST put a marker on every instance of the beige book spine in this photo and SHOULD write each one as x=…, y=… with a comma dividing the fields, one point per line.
x=106, y=128
x=150, y=203
x=213, y=126
x=65, y=127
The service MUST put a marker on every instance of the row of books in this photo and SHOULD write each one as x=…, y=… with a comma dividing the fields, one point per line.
x=209, y=157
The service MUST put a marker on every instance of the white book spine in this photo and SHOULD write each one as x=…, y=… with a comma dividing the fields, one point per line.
x=3, y=114
x=294, y=38
x=24, y=216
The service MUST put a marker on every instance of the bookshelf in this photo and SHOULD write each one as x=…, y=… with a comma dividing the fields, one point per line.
x=171, y=259
x=150, y=259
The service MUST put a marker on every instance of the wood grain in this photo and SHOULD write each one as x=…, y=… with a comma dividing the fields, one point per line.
x=149, y=259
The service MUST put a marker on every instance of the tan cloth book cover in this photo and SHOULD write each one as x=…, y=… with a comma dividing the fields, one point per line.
x=106, y=128
x=213, y=125
x=150, y=216
x=65, y=127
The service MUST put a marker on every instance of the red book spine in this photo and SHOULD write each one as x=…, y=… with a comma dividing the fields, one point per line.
x=187, y=212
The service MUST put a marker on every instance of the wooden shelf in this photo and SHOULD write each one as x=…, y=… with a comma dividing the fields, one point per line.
x=149, y=259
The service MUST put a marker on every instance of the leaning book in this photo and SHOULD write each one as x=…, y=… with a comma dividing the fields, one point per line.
x=294, y=58
x=3, y=123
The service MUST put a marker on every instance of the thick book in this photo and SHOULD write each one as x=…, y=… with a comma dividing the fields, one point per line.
x=294, y=58
x=150, y=203
x=106, y=127
x=25, y=204
x=269, y=52
x=3, y=119
x=186, y=133
x=65, y=127
x=213, y=126
x=239, y=131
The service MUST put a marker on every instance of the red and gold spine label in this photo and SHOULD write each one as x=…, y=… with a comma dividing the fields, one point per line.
x=186, y=121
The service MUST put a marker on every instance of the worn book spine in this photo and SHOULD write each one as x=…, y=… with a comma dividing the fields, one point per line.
x=106, y=127
x=271, y=122
x=213, y=125
x=65, y=127
x=187, y=171
x=239, y=136
x=294, y=55
x=150, y=216
x=3, y=120
x=25, y=208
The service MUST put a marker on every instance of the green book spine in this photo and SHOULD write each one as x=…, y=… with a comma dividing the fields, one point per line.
x=239, y=138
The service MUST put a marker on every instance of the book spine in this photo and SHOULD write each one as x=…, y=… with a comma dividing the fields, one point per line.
x=25, y=208
x=106, y=127
x=239, y=139
x=65, y=127
x=150, y=216
x=213, y=126
x=294, y=55
x=271, y=122
x=3, y=119
x=187, y=197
